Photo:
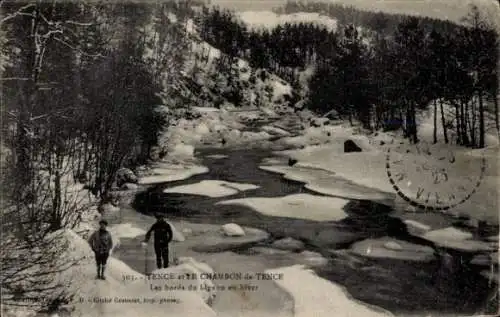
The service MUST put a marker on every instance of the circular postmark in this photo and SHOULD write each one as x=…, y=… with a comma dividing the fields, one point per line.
x=435, y=177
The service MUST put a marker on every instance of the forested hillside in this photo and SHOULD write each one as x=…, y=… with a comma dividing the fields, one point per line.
x=377, y=68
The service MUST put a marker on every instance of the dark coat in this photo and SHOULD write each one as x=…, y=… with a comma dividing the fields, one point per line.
x=101, y=242
x=162, y=232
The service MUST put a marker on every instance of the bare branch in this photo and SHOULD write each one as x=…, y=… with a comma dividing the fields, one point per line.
x=18, y=13
x=76, y=48
x=52, y=32
x=79, y=23
x=14, y=78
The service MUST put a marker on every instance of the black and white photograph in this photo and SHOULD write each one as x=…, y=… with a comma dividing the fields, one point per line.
x=249, y=158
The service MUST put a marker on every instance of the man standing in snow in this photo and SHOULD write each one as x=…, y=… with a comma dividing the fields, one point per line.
x=162, y=237
x=101, y=243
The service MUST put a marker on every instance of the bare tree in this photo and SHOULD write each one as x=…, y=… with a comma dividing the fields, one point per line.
x=37, y=184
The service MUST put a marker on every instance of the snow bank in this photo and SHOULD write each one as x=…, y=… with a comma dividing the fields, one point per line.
x=368, y=168
x=211, y=188
x=457, y=239
x=123, y=230
x=205, y=109
x=214, y=128
x=183, y=151
x=416, y=227
x=325, y=182
x=280, y=89
x=314, y=296
x=389, y=248
x=217, y=156
x=109, y=211
x=129, y=186
x=79, y=280
x=275, y=130
x=301, y=206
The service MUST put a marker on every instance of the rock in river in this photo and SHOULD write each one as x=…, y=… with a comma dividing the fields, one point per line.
x=289, y=244
x=214, y=241
x=233, y=230
x=390, y=248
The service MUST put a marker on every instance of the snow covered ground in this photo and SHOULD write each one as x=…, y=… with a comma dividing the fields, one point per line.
x=319, y=297
x=322, y=148
x=124, y=293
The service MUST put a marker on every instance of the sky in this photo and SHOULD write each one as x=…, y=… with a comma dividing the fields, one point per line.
x=444, y=9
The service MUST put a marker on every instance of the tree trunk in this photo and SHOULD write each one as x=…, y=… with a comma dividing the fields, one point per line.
x=434, y=135
x=473, y=124
x=481, y=122
x=443, y=122
x=412, y=124
x=458, y=118
x=465, y=109
x=56, y=203
x=497, y=122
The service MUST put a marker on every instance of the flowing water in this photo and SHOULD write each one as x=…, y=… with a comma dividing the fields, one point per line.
x=399, y=286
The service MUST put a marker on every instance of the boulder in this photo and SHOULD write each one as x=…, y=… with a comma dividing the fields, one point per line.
x=350, y=146
x=313, y=259
x=289, y=244
x=232, y=230
x=215, y=242
x=125, y=175
x=292, y=162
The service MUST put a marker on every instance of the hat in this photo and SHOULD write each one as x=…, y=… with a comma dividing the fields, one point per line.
x=104, y=222
x=159, y=215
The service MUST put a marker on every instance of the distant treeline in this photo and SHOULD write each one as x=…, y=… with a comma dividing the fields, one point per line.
x=380, y=71
x=378, y=21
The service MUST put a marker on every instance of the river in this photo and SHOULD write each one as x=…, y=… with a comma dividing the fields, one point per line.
x=403, y=287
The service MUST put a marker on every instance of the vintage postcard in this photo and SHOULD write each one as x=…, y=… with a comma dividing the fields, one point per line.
x=249, y=158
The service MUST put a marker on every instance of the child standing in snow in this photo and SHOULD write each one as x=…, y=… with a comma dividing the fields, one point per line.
x=101, y=243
